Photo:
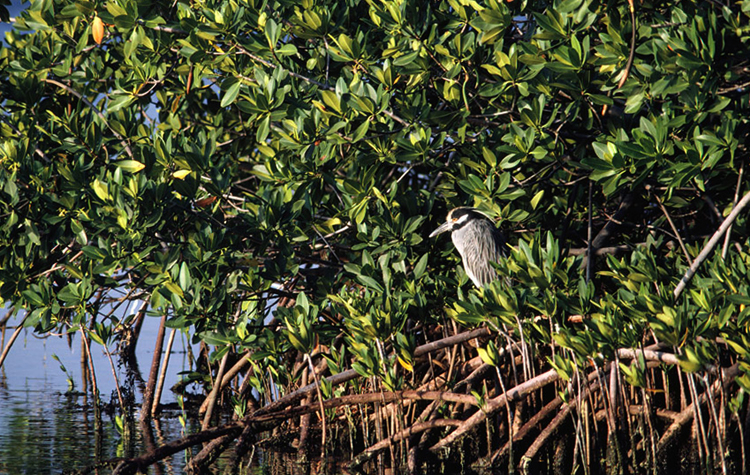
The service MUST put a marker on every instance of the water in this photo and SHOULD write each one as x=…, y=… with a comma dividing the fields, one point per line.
x=47, y=428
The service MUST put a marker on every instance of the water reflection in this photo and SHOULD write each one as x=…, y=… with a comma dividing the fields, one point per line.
x=45, y=427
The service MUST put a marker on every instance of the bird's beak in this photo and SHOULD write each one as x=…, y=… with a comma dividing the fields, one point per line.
x=441, y=229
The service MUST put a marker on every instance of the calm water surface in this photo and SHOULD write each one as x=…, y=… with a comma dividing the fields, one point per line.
x=47, y=428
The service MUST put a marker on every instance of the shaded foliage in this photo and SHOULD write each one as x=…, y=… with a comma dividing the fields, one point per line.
x=222, y=159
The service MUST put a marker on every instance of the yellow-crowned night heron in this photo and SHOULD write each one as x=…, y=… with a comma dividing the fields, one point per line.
x=478, y=241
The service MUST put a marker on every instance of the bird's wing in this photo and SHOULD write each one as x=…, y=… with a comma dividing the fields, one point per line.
x=489, y=247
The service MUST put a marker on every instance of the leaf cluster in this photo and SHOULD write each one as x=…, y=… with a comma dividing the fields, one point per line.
x=221, y=158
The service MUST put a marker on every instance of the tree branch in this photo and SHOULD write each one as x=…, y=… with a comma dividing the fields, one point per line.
x=711, y=245
x=515, y=394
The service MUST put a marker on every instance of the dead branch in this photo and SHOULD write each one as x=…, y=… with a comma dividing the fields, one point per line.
x=711, y=244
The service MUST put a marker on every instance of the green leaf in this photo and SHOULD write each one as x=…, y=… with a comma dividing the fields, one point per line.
x=420, y=267
x=33, y=298
x=101, y=190
x=230, y=94
x=264, y=127
x=370, y=282
x=710, y=139
x=303, y=303
x=361, y=131
x=537, y=197
x=79, y=232
x=184, y=279
x=287, y=50
x=131, y=166
x=93, y=252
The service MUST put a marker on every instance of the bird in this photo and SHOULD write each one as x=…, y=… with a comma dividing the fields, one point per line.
x=477, y=240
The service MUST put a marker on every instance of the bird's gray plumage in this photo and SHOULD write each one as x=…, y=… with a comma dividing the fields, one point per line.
x=477, y=240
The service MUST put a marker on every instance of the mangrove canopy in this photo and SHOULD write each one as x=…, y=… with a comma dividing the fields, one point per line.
x=263, y=176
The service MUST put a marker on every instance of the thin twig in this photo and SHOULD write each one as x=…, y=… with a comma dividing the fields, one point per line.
x=629, y=64
x=736, y=197
x=590, y=235
x=674, y=229
x=163, y=372
x=715, y=417
x=114, y=375
x=733, y=88
x=213, y=395
x=320, y=401
x=648, y=355
x=687, y=414
x=90, y=367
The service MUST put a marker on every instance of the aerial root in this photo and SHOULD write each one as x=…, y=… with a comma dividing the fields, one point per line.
x=442, y=413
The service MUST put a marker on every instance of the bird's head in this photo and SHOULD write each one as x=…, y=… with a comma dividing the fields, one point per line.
x=458, y=218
